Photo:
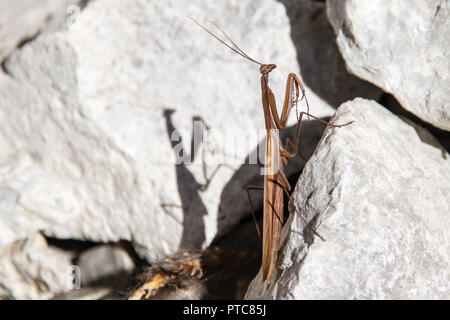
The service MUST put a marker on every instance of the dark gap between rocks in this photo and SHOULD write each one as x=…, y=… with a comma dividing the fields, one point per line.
x=389, y=102
x=70, y=244
x=232, y=279
x=120, y=282
x=28, y=39
x=4, y=69
x=81, y=245
x=322, y=67
x=227, y=268
x=83, y=4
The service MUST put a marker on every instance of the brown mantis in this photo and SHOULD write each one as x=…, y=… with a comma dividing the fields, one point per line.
x=275, y=181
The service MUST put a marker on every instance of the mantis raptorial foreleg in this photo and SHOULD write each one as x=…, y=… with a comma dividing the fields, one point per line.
x=292, y=92
x=294, y=144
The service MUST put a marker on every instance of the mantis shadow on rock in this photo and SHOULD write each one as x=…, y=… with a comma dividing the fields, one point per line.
x=194, y=209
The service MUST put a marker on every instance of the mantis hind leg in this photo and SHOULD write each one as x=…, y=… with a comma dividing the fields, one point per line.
x=252, y=208
x=295, y=208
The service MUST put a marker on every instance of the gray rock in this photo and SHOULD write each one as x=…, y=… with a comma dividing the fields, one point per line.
x=95, y=293
x=29, y=269
x=378, y=192
x=103, y=262
x=400, y=46
x=86, y=116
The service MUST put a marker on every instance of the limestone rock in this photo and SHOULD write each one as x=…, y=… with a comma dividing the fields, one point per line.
x=104, y=261
x=29, y=269
x=400, y=46
x=20, y=20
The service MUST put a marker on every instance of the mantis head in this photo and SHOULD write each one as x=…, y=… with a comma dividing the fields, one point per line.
x=266, y=68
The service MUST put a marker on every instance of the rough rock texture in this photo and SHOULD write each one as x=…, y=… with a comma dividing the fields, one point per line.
x=22, y=19
x=86, y=116
x=402, y=47
x=29, y=269
x=102, y=262
x=381, y=201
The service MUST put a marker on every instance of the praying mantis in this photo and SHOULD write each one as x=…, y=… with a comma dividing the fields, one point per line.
x=276, y=183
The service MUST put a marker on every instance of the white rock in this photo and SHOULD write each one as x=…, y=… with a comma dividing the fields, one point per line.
x=378, y=191
x=29, y=269
x=402, y=47
x=22, y=19
x=84, y=144
x=103, y=261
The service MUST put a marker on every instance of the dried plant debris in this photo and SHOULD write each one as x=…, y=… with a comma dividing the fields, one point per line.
x=183, y=276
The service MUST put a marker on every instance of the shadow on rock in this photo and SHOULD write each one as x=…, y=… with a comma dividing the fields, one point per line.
x=188, y=188
x=322, y=67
